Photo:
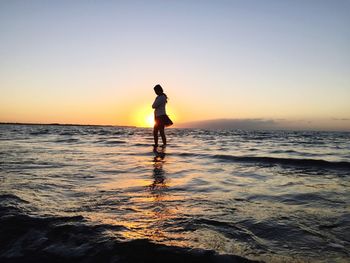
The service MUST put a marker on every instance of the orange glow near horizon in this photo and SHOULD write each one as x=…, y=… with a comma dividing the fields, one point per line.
x=139, y=114
x=144, y=116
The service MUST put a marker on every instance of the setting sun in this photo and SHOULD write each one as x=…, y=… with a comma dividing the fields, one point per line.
x=144, y=116
x=150, y=120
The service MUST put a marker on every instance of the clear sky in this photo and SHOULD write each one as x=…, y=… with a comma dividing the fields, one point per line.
x=96, y=62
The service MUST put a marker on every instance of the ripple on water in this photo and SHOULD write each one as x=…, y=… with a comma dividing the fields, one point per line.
x=274, y=196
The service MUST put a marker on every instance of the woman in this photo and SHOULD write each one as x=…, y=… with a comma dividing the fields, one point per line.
x=161, y=119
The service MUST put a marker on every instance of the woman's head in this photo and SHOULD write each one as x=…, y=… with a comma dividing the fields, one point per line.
x=158, y=89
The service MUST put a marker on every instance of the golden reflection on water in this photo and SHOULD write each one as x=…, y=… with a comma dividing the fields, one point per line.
x=159, y=185
x=149, y=208
x=159, y=212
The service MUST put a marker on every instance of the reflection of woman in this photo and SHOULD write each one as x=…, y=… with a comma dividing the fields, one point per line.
x=158, y=186
x=158, y=173
x=161, y=118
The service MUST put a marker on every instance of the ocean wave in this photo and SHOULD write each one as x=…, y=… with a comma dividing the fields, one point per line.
x=286, y=161
x=26, y=238
x=142, y=144
x=114, y=142
x=69, y=140
x=11, y=198
x=267, y=160
x=308, y=199
x=39, y=132
x=66, y=133
x=33, y=165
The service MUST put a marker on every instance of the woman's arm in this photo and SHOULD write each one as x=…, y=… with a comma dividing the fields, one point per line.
x=160, y=100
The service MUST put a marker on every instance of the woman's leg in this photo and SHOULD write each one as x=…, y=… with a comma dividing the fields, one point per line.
x=155, y=135
x=162, y=134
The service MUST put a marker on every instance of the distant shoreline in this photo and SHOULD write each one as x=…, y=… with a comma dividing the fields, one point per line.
x=65, y=124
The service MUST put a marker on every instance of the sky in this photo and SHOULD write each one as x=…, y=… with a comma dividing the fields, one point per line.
x=96, y=62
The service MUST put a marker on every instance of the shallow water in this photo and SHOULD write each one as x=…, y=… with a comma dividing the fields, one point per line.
x=272, y=196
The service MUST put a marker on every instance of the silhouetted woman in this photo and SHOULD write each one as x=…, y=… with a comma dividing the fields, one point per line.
x=160, y=117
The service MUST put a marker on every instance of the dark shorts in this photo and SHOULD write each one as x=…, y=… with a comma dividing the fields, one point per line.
x=162, y=121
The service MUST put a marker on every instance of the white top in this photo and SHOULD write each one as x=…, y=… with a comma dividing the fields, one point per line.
x=159, y=105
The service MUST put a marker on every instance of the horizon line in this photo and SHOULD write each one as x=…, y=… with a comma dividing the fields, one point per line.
x=133, y=126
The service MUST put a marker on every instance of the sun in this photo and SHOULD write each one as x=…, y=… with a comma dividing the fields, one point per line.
x=150, y=120
x=144, y=116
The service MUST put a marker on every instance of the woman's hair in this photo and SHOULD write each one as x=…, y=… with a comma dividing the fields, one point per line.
x=159, y=90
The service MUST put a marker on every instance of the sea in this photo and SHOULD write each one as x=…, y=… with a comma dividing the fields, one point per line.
x=104, y=194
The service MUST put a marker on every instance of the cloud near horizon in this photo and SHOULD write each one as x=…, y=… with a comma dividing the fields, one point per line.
x=268, y=124
x=231, y=124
